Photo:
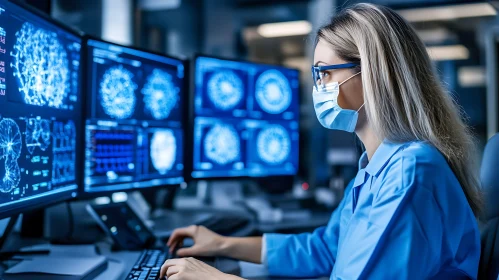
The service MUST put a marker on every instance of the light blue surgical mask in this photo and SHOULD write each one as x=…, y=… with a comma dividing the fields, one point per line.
x=329, y=113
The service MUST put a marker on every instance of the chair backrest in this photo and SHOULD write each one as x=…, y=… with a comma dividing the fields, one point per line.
x=489, y=176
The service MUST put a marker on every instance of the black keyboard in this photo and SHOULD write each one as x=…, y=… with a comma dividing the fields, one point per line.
x=148, y=265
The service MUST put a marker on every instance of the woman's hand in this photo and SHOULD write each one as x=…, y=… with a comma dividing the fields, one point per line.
x=192, y=269
x=206, y=242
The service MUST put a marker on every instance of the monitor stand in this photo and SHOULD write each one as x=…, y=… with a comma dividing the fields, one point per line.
x=220, y=194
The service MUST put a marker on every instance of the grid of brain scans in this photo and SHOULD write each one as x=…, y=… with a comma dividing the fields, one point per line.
x=134, y=130
x=245, y=119
x=39, y=101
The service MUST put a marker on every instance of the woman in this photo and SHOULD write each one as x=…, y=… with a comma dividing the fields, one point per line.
x=411, y=211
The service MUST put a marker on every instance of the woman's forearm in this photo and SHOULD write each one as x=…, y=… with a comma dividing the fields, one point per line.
x=247, y=249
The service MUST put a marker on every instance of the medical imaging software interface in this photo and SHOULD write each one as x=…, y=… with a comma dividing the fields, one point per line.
x=134, y=130
x=39, y=107
x=245, y=120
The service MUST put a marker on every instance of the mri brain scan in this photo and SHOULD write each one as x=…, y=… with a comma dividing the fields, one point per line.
x=222, y=144
x=160, y=94
x=40, y=65
x=273, y=92
x=10, y=151
x=225, y=89
x=37, y=134
x=163, y=150
x=273, y=144
x=117, y=92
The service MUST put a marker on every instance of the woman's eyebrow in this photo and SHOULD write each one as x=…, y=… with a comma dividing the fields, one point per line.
x=318, y=62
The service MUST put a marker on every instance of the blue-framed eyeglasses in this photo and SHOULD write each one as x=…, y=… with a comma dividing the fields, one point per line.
x=318, y=71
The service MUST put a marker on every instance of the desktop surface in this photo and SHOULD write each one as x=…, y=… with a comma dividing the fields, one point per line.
x=134, y=124
x=246, y=119
x=41, y=110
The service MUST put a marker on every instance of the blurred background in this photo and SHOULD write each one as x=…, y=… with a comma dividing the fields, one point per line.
x=461, y=37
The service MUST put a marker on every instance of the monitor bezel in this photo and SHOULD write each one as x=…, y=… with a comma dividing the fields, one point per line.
x=191, y=115
x=89, y=195
x=65, y=196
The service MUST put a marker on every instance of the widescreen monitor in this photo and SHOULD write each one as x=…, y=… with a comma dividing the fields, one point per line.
x=246, y=119
x=135, y=118
x=40, y=110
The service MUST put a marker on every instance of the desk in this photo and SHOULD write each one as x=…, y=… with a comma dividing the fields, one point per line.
x=120, y=263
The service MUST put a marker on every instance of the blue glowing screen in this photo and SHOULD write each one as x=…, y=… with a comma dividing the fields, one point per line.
x=134, y=129
x=39, y=109
x=245, y=119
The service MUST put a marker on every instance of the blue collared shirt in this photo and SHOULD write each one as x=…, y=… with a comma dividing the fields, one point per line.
x=405, y=217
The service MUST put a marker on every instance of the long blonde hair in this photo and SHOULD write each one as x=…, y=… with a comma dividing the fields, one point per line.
x=404, y=99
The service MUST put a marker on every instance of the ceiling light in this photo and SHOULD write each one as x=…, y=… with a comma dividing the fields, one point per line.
x=159, y=5
x=451, y=52
x=282, y=29
x=448, y=12
x=472, y=76
x=435, y=35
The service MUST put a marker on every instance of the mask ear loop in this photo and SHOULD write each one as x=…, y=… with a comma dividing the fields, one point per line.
x=347, y=81
x=349, y=78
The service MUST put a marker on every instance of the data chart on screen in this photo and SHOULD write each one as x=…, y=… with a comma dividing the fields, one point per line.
x=246, y=119
x=40, y=101
x=134, y=126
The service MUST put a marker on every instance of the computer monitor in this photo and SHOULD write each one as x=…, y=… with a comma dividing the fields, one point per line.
x=246, y=119
x=40, y=110
x=135, y=119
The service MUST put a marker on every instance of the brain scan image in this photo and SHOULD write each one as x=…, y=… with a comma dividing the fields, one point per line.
x=12, y=176
x=37, y=134
x=10, y=139
x=163, y=150
x=40, y=64
x=160, y=94
x=45, y=133
x=10, y=151
x=117, y=92
x=273, y=144
x=225, y=90
x=273, y=92
x=222, y=144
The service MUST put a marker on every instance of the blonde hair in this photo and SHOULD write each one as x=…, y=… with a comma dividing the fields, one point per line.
x=404, y=99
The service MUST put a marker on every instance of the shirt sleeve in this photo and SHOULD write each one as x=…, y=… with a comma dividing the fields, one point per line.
x=304, y=255
x=264, y=251
x=401, y=238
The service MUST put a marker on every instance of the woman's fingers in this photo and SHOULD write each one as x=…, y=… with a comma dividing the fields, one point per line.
x=172, y=270
x=189, y=252
x=169, y=263
x=181, y=233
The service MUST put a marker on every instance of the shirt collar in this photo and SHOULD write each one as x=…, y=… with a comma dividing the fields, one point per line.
x=380, y=158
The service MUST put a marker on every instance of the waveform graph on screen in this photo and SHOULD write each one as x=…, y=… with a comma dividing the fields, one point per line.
x=163, y=150
x=225, y=89
x=64, y=152
x=117, y=92
x=114, y=153
x=40, y=65
x=273, y=144
x=10, y=151
x=273, y=92
x=222, y=144
x=160, y=94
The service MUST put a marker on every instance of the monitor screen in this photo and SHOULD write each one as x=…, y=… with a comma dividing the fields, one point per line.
x=134, y=125
x=40, y=109
x=246, y=119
